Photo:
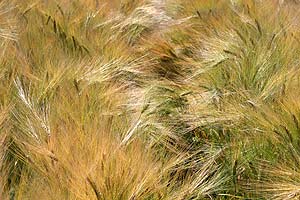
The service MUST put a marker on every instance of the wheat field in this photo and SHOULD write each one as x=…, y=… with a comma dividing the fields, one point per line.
x=149, y=99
